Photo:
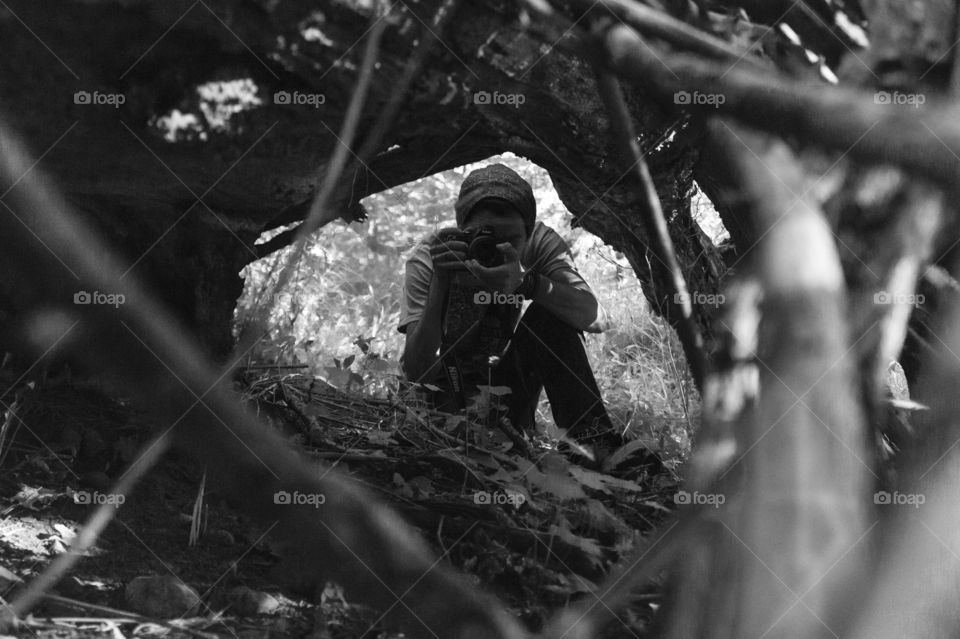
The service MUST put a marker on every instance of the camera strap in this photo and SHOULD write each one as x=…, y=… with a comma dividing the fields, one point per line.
x=472, y=335
x=468, y=332
x=449, y=357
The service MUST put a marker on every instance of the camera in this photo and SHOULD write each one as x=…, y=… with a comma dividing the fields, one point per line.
x=481, y=243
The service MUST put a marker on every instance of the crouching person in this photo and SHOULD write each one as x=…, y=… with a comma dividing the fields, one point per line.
x=498, y=301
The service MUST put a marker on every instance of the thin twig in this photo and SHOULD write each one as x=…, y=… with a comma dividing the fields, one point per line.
x=651, y=212
x=338, y=162
x=317, y=216
x=381, y=127
x=412, y=69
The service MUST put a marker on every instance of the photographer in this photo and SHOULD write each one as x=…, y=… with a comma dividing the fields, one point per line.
x=532, y=267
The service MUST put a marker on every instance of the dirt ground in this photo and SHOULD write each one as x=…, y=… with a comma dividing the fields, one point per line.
x=67, y=443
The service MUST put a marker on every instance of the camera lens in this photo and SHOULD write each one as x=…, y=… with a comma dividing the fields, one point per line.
x=484, y=250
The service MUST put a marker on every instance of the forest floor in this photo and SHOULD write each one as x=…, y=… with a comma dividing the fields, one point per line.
x=537, y=529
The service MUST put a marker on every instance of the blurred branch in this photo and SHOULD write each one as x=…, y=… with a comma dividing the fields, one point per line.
x=658, y=24
x=922, y=140
x=372, y=142
x=411, y=70
x=319, y=215
x=800, y=455
x=586, y=618
x=340, y=164
x=917, y=571
x=46, y=253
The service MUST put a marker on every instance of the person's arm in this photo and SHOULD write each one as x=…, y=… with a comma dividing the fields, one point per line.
x=576, y=306
x=424, y=329
x=423, y=336
x=558, y=286
x=561, y=288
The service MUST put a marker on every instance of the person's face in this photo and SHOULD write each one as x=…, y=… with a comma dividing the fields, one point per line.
x=507, y=227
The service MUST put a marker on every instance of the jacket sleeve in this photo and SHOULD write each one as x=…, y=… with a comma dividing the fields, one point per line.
x=418, y=273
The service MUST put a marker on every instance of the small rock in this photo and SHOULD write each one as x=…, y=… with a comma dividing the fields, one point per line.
x=247, y=602
x=161, y=597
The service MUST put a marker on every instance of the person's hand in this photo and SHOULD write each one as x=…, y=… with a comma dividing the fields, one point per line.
x=504, y=278
x=448, y=256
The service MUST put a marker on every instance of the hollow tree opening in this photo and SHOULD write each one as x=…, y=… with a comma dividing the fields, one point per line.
x=338, y=314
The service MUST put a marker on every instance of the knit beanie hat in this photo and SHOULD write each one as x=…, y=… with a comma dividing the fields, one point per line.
x=497, y=182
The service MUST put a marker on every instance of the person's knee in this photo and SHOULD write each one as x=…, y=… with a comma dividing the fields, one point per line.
x=540, y=328
x=539, y=318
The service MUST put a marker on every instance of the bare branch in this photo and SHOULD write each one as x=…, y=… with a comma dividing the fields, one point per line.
x=658, y=24
x=921, y=139
x=625, y=139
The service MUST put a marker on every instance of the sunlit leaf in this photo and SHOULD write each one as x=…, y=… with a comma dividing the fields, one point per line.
x=379, y=365
x=337, y=376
